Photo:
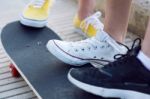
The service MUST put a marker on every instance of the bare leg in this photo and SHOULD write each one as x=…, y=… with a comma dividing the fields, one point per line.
x=86, y=8
x=146, y=42
x=116, y=20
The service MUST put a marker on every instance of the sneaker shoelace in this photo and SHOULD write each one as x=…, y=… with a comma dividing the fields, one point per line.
x=94, y=21
x=109, y=42
x=116, y=45
x=92, y=44
x=122, y=58
x=88, y=44
x=38, y=3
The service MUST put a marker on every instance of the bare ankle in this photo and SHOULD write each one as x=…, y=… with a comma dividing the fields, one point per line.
x=82, y=15
x=115, y=35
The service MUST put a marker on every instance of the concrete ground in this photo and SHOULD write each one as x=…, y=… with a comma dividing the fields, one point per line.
x=60, y=21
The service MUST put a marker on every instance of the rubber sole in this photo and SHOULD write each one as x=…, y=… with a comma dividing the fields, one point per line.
x=106, y=92
x=33, y=23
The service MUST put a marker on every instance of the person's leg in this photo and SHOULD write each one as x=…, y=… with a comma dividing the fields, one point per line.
x=86, y=8
x=116, y=18
x=84, y=19
x=131, y=73
x=75, y=54
x=144, y=54
x=146, y=42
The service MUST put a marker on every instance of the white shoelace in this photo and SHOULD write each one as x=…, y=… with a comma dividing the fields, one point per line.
x=84, y=44
x=38, y=3
x=112, y=42
x=109, y=42
x=88, y=44
x=94, y=21
x=93, y=43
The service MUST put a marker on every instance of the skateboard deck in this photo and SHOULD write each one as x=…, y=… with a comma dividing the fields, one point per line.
x=44, y=73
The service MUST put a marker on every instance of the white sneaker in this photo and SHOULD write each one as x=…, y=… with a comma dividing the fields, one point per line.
x=95, y=50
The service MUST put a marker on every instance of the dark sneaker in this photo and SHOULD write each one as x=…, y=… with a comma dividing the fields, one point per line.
x=125, y=78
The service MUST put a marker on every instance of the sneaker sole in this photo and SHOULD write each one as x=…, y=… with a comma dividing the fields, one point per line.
x=63, y=56
x=33, y=23
x=108, y=93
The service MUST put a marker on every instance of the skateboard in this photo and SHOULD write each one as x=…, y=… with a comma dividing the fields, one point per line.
x=44, y=73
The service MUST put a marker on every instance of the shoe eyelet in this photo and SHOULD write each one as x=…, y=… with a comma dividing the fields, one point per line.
x=108, y=46
x=102, y=58
x=95, y=47
x=89, y=48
x=76, y=50
x=83, y=49
x=94, y=57
x=102, y=46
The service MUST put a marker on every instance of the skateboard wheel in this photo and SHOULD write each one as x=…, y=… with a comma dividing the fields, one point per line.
x=14, y=71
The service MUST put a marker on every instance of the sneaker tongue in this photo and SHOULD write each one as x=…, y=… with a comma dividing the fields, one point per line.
x=97, y=14
x=103, y=36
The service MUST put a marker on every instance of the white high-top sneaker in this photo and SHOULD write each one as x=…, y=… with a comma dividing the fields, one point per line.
x=95, y=50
